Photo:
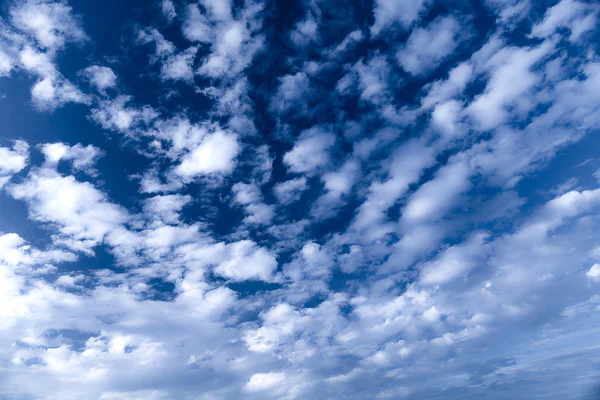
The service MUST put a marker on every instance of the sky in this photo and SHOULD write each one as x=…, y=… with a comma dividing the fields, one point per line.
x=304, y=199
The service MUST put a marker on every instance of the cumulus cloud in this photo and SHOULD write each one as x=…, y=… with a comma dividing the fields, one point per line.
x=216, y=153
x=290, y=206
x=82, y=157
x=427, y=47
x=264, y=381
x=290, y=191
x=578, y=17
x=246, y=261
x=310, y=152
x=13, y=160
x=403, y=12
x=51, y=23
x=101, y=77
x=83, y=215
x=250, y=197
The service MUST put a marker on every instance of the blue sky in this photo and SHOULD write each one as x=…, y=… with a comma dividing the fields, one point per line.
x=236, y=199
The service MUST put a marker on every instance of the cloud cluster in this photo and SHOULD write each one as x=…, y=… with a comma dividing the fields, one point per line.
x=326, y=200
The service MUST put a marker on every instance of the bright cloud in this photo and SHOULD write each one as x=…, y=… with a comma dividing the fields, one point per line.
x=317, y=199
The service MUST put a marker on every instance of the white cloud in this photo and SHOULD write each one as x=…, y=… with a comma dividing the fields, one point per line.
x=576, y=16
x=434, y=198
x=290, y=191
x=7, y=63
x=291, y=91
x=83, y=215
x=166, y=207
x=265, y=381
x=406, y=166
x=168, y=9
x=455, y=261
x=427, y=47
x=151, y=35
x=373, y=79
x=179, y=66
x=216, y=153
x=50, y=23
x=404, y=12
x=101, y=77
x=114, y=114
x=594, y=272
x=310, y=152
x=455, y=84
x=445, y=118
x=338, y=186
x=306, y=31
x=510, y=64
x=234, y=41
x=83, y=157
x=249, y=196
x=13, y=161
x=196, y=26
x=246, y=261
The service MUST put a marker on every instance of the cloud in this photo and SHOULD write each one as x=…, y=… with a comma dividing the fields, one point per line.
x=167, y=208
x=427, y=47
x=388, y=12
x=306, y=31
x=290, y=191
x=291, y=91
x=573, y=15
x=50, y=23
x=179, y=66
x=310, y=152
x=508, y=64
x=13, y=161
x=246, y=261
x=594, y=272
x=249, y=196
x=114, y=114
x=264, y=381
x=83, y=215
x=101, y=77
x=216, y=153
x=435, y=197
x=319, y=211
x=168, y=9
x=83, y=158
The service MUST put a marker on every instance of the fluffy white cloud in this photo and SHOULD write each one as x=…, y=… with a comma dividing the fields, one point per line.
x=50, y=23
x=594, y=272
x=179, y=66
x=290, y=191
x=510, y=64
x=414, y=247
x=249, y=196
x=246, y=261
x=310, y=152
x=114, y=114
x=435, y=197
x=168, y=9
x=265, y=381
x=216, y=153
x=101, y=77
x=427, y=47
x=166, y=207
x=404, y=12
x=82, y=158
x=13, y=160
x=576, y=16
x=83, y=215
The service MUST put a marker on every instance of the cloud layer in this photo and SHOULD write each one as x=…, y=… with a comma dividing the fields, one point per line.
x=315, y=200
